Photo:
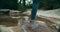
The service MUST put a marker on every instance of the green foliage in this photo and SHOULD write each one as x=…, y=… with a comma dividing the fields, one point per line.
x=50, y=4
x=8, y=4
x=22, y=6
x=44, y=4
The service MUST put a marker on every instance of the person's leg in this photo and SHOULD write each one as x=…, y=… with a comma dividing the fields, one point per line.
x=34, y=9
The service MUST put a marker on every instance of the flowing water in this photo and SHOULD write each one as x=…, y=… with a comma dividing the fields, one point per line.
x=39, y=26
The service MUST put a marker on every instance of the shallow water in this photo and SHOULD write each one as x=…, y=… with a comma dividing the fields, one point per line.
x=53, y=15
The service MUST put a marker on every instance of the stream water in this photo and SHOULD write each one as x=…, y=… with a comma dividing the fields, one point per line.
x=52, y=15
